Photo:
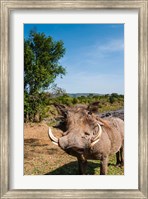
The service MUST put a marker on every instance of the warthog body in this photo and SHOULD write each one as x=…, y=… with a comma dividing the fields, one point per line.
x=87, y=136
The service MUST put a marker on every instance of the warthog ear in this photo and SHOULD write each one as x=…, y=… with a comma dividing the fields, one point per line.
x=100, y=121
x=62, y=109
x=93, y=107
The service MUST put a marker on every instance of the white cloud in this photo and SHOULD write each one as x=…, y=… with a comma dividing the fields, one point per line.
x=99, y=49
x=112, y=46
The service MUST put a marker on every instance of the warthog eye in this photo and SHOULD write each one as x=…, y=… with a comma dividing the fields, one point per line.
x=89, y=112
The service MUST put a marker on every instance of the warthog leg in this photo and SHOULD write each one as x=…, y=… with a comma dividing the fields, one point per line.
x=120, y=157
x=104, y=165
x=82, y=163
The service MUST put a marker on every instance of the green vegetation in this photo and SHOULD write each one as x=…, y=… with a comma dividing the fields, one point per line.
x=71, y=167
x=46, y=100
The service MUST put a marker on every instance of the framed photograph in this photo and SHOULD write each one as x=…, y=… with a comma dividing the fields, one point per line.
x=107, y=46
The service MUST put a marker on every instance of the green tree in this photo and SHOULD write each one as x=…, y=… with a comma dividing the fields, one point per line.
x=41, y=67
x=115, y=95
x=75, y=100
x=111, y=99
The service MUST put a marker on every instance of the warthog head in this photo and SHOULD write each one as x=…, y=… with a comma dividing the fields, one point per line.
x=83, y=129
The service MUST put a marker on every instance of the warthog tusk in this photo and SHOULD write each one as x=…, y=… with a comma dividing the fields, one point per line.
x=54, y=143
x=52, y=137
x=97, y=138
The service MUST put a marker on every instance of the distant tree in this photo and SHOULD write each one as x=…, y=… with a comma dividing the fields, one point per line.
x=115, y=95
x=75, y=100
x=111, y=99
x=90, y=95
x=57, y=91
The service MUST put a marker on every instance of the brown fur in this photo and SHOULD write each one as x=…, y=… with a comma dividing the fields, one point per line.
x=82, y=128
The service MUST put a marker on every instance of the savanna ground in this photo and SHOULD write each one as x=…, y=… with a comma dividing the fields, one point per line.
x=42, y=157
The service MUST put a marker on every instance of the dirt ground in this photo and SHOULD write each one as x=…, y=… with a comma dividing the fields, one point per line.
x=42, y=157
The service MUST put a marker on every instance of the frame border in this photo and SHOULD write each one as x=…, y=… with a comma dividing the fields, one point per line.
x=142, y=6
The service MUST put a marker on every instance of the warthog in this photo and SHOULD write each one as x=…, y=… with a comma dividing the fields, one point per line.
x=87, y=136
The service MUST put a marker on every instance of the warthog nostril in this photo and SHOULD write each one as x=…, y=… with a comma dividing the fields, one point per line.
x=86, y=133
x=80, y=150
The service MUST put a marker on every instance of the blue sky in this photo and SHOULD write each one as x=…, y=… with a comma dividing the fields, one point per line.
x=94, y=57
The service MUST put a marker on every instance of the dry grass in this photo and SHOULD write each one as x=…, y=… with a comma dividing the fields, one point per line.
x=42, y=157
